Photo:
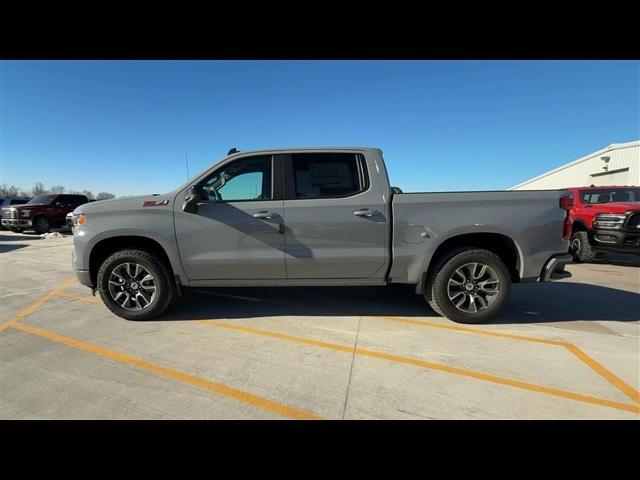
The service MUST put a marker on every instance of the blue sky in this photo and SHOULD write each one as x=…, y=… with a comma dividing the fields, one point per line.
x=123, y=126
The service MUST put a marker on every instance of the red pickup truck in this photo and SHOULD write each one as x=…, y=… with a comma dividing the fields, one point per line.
x=604, y=219
x=42, y=212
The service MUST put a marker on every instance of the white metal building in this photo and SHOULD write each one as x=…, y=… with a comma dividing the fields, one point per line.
x=617, y=164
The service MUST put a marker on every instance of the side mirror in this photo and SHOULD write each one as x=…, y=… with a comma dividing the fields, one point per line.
x=194, y=196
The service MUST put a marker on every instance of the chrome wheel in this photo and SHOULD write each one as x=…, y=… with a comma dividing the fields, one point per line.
x=473, y=287
x=132, y=286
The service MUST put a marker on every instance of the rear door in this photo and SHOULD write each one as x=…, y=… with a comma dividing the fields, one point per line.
x=335, y=223
x=64, y=204
x=237, y=231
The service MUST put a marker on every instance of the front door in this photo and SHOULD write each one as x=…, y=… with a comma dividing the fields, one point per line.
x=237, y=231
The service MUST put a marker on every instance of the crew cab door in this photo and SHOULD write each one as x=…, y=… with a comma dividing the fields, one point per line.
x=236, y=231
x=335, y=220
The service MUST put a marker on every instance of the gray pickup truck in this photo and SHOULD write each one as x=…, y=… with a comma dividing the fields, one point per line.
x=318, y=216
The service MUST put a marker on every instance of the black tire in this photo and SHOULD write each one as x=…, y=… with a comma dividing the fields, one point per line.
x=436, y=287
x=165, y=289
x=41, y=225
x=16, y=230
x=580, y=248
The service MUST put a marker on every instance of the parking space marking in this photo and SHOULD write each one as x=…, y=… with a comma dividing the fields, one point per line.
x=609, y=376
x=246, y=397
x=429, y=365
x=35, y=305
x=82, y=298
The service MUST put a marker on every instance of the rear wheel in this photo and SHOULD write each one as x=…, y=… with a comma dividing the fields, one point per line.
x=580, y=247
x=41, y=225
x=135, y=284
x=469, y=285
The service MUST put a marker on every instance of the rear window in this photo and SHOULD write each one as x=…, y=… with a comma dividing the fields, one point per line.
x=328, y=175
x=606, y=195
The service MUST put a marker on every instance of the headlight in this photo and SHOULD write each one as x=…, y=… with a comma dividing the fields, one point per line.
x=79, y=219
x=25, y=213
x=609, y=220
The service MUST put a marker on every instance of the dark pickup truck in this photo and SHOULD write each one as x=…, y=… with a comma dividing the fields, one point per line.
x=41, y=213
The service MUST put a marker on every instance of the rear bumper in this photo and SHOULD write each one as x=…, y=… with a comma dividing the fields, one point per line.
x=16, y=222
x=554, y=268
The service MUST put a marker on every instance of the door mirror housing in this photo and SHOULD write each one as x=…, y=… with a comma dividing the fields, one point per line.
x=194, y=196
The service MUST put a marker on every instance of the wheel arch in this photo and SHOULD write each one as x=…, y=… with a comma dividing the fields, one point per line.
x=109, y=245
x=500, y=244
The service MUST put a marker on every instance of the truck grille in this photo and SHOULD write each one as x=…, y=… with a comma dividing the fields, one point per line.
x=634, y=220
x=9, y=213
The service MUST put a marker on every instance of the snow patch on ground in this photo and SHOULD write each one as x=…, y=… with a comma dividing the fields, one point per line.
x=52, y=235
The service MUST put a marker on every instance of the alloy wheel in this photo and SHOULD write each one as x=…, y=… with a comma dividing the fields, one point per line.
x=473, y=287
x=132, y=286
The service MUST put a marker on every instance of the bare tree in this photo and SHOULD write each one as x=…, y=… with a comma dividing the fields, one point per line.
x=105, y=196
x=57, y=189
x=89, y=194
x=6, y=191
x=38, y=189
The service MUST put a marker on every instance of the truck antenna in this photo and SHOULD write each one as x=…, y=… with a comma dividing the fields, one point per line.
x=186, y=162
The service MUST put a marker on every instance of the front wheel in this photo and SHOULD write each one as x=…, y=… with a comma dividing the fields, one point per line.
x=135, y=284
x=41, y=225
x=469, y=286
x=580, y=247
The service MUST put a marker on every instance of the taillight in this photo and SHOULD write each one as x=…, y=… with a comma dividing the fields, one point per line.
x=566, y=203
x=566, y=228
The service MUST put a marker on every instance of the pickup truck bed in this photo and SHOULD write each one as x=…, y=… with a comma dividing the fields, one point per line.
x=529, y=222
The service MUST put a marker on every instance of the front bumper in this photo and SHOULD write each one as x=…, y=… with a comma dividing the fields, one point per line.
x=554, y=268
x=84, y=277
x=16, y=222
x=619, y=240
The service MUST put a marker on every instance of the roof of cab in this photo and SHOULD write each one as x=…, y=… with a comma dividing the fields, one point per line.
x=302, y=149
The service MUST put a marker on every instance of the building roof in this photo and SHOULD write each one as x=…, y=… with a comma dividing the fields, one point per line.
x=613, y=146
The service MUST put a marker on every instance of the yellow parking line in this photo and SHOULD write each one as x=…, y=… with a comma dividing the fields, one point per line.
x=430, y=365
x=475, y=331
x=35, y=305
x=606, y=374
x=82, y=298
x=573, y=349
x=255, y=400
x=609, y=376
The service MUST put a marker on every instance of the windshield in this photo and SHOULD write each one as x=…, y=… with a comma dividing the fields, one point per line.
x=41, y=200
x=606, y=195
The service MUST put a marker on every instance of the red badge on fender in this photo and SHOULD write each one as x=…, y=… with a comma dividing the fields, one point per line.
x=152, y=203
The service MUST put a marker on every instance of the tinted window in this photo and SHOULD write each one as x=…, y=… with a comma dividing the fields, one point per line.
x=17, y=201
x=41, y=200
x=325, y=175
x=75, y=201
x=242, y=180
x=606, y=195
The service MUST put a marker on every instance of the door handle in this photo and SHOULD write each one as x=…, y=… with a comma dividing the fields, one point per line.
x=365, y=212
x=265, y=215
